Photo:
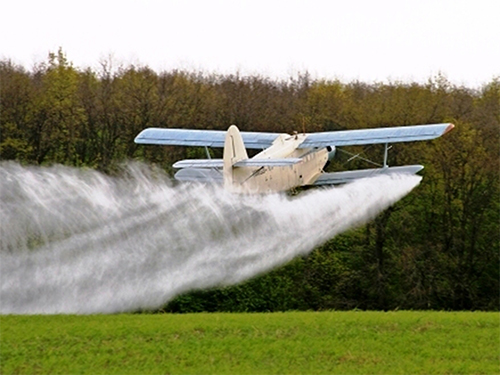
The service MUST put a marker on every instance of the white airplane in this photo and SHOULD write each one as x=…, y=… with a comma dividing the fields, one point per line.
x=286, y=161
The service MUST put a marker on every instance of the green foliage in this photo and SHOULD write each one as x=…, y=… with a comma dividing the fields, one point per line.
x=281, y=343
x=438, y=248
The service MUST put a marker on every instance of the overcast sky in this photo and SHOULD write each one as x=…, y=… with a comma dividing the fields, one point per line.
x=377, y=40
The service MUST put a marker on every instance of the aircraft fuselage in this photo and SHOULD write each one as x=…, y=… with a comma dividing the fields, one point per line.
x=279, y=178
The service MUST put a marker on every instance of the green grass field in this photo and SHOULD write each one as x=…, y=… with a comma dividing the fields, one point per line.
x=278, y=343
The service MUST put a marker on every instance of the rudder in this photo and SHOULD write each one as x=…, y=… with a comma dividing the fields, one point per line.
x=234, y=151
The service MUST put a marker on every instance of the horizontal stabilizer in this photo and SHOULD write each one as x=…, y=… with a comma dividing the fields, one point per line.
x=199, y=163
x=349, y=176
x=199, y=175
x=218, y=163
x=267, y=162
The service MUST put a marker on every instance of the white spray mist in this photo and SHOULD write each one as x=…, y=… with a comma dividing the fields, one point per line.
x=77, y=241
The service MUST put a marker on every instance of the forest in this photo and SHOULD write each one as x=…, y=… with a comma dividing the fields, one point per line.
x=439, y=248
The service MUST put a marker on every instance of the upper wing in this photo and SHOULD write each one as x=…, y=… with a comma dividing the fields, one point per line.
x=210, y=138
x=377, y=135
x=260, y=140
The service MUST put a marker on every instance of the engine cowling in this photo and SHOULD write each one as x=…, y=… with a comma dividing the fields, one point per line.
x=331, y=152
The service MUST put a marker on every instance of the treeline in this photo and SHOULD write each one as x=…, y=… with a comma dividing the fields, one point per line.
x=438, y=248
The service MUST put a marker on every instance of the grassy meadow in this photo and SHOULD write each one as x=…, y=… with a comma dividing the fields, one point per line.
x=353, y=342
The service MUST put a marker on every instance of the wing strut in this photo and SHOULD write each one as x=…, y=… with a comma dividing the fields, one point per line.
x=385, y=155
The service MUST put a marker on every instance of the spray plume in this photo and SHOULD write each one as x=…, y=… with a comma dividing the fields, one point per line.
x=78, y=241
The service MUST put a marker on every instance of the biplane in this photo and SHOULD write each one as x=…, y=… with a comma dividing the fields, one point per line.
x=285, y=161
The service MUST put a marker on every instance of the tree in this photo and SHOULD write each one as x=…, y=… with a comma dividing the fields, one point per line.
x=57, y=115
x=16, y=95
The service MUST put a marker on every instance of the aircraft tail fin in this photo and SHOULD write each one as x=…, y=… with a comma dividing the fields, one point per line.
x=234, y=151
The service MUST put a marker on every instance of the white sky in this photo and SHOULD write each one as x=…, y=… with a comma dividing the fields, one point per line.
x=369, y=40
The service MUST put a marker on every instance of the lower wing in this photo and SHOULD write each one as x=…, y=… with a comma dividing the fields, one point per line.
x=202, y=175
x=336, y=178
